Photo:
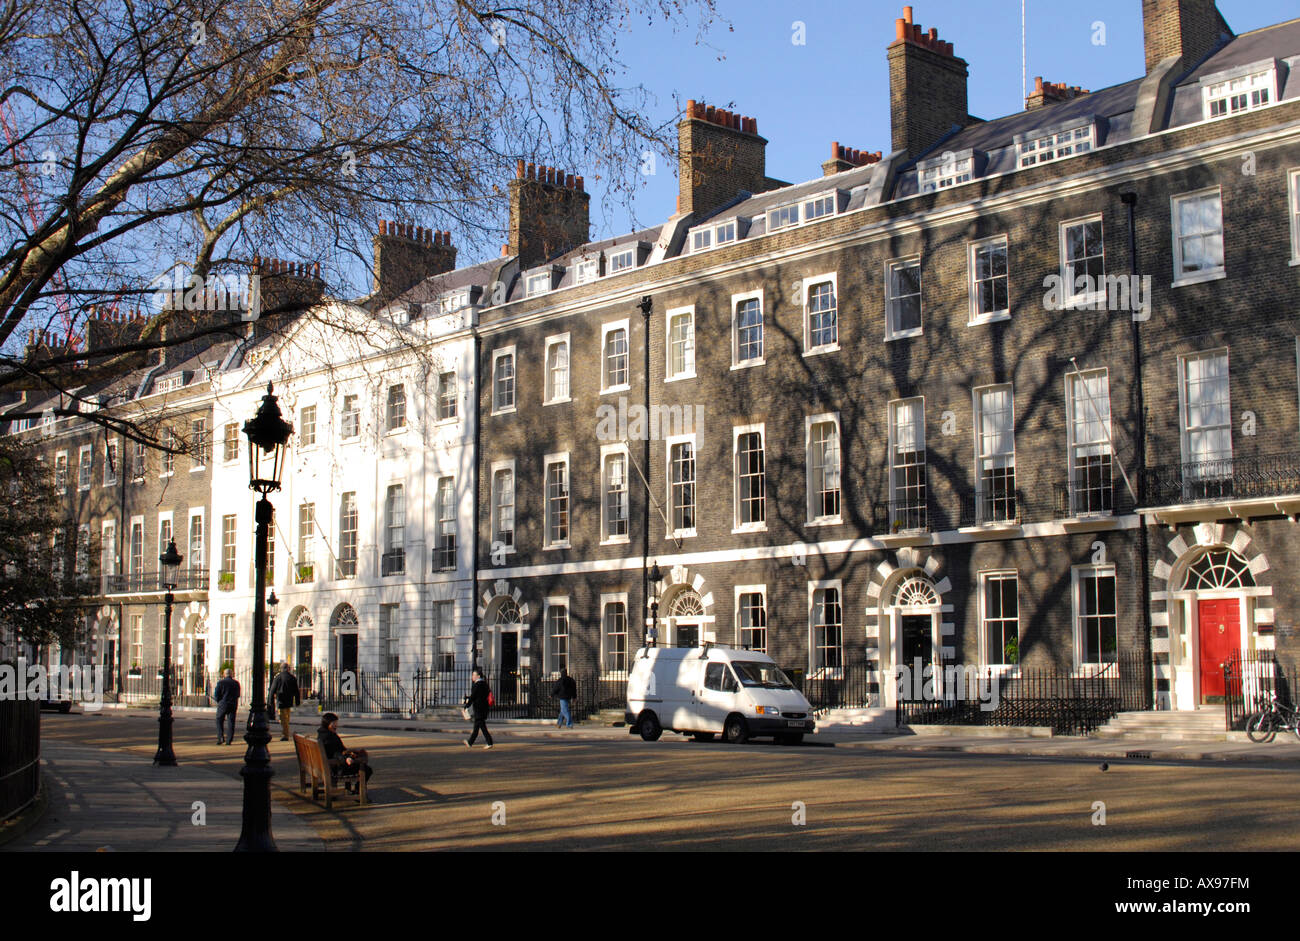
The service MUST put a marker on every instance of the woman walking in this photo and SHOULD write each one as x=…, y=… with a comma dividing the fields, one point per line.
x=477, y=701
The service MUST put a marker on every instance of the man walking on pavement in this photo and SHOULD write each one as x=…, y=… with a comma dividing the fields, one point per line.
x=478, y=701
x=284, y=693
x=566, y=690
x=227, y=697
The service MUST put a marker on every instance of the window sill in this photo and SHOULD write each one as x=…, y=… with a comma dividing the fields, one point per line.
x=564, y=401
x=196, y=470
x=826, y=521
x=392, y=432
x=556, y=545
x=749, y=528
x=903, y=334
x=679, y=377
x=622, y=387
x=1293, y=262
x=989, y=318
x=1094, y=301
x=818, y=350
x=503, y=411
x=1200, y=277
x=681, y=533
x=615, y=541
x=748, y=363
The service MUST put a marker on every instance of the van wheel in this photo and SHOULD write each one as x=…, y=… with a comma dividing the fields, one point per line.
x=703, y=736
x=794, y=738
x=736, y=731
x=650, y=727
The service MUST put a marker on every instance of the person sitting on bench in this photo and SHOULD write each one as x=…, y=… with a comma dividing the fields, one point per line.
x=350, y=762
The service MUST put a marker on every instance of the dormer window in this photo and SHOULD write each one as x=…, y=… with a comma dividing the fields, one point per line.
x=724, y=233
x=782, y=217
x=713, y=235
x=818, y=207
x=539, y=283
x=947, y=170
x=1051, y=144
x=1242, y=89
x=170, y=383
x=622, y=261
x=454, y=301
x=701, y=240
x=586, y=270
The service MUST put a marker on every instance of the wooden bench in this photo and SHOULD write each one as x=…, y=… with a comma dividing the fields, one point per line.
x=317, y=774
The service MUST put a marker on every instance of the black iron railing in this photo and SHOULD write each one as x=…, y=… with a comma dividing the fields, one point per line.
x=1086, y=495
x=908, y=515
x=191, y=579
x=846, y=687
x=1070, y=703
x=20, y=754
x=991, y=506
x=393, y=562
x=444, y=554
x=1251, y=680
x=1240, y=478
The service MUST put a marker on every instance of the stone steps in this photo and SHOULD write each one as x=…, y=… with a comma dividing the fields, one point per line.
x=1206, y=724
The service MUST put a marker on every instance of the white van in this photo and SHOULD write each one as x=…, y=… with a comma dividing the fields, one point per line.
x=703, y=691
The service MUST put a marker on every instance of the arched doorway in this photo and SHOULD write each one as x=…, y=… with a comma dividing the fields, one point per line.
x=345, y=629
x=301, y=640
x=504, y=646
x=913, y=614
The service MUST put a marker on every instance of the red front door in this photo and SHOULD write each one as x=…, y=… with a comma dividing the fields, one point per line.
x=1220, y=636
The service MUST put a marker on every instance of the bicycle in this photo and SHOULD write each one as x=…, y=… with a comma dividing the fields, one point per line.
x=1275, y=717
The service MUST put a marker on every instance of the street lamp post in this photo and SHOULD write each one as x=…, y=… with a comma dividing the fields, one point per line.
x=272, y=602
x=171, y=563
x=655, y=578
x=268, y=438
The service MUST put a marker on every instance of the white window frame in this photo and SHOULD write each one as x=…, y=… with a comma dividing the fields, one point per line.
x=445, y=512
x=1256, y=77
x=586, y=270
x=891, y=333
x=939, y=173
x=1050, y=145
x=669, y=444
x=307, y=531
x=620, y=261
x=389, y=427
x=61, y=484
x=1098, y=294
x=1072, y=422
x=545, y=279
x=982, y=581
x=827, y=672
x=732, y=229
x=805, y=288
x=973, y=249
x=112, y=463
x=806, y=215
x=790, y=211
x=165, y=517
x=455, y=398
x=1293, y=212
x=607, y=599
x=977, y=412
x=1078, y=573
x=1184, y=432
x=168, y=462
x=701, y=239
x=354, y=413
x=514, y=366
x=812, y=500
x=736, y=525
x=549, y=667
x=108, y=549
x=199, y=455
x=1182, y=277
x=355, y=531
x=548, y=391
x=226, y=457
x=761, y=591
x=608, y=451
x=85, y=466
x=498, y=466
x=201, y=562
x=302, y=425
x=892, y=465
x=736, y=301
x=561, y=459
x=688, y=355
x=605, y=330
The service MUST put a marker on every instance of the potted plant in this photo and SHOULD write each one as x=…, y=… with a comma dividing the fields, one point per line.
x=1012, y=650
x=306, y=573
x=135, y=669
x=226, y=581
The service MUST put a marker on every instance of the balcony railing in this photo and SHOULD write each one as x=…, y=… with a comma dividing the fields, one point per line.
x=1084, y=497
x=192, y=579
x=991, y=507
x=1236, y=478
x=393, y=562
x=897, y=517
x=444, y=555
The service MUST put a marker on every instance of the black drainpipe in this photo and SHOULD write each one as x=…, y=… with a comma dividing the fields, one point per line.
x=647, y=305
x=1140, y=439
x=478, y=457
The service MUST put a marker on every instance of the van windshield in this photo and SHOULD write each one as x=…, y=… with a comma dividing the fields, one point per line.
x=767, y=675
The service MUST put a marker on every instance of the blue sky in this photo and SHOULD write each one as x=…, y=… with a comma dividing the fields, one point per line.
x=836, y=85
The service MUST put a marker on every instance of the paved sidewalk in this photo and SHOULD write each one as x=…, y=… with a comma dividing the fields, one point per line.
x=117, y=801
x=985, y=741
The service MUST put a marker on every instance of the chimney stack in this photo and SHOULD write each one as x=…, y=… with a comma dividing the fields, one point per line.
x=846, y=158
x=1046, y=93
x=407, y=254
x=927, y=87
x=1188, y=29
x=720, y=155
x=550, y=213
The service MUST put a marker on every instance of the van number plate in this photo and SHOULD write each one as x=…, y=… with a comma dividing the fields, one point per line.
x=797, y=723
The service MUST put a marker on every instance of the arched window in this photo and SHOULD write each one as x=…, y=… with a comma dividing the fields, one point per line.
x=686, y=605
x=508, y=612
x=916, y=592
x=345, y=616
x=304, y=622
x=1218, y=568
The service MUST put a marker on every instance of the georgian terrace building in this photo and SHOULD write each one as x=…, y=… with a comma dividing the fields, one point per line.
x=917, y=406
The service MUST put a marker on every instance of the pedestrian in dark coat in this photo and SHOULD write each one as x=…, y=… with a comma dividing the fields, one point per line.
x=285, y=695
x=350, y=762
x=478, y=702
x=227, y=697
x=566, y=691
